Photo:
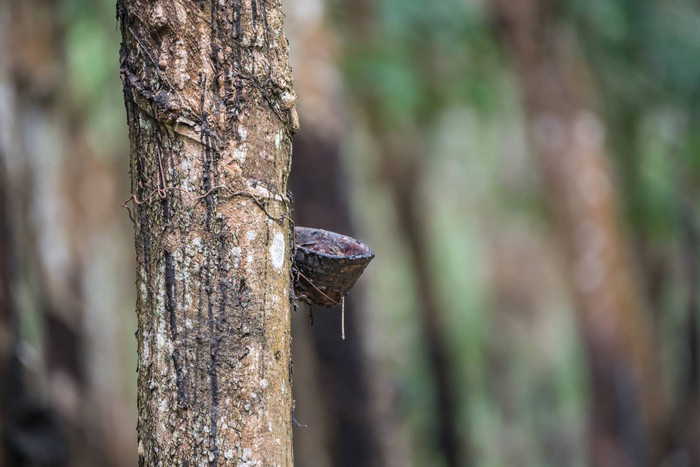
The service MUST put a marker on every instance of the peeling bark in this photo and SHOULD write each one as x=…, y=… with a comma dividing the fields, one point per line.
x=211, y=110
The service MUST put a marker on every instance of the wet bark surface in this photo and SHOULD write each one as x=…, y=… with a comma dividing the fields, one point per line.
x=211, y=111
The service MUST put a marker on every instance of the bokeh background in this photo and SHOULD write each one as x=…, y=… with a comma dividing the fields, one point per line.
x=527, y=173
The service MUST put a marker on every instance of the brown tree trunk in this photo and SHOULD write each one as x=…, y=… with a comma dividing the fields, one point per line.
x=628, y=403
x=317, y=193
x=8, y=328
x=400, y=165
x=402, y=174
x=211, y=111
x=50, y=386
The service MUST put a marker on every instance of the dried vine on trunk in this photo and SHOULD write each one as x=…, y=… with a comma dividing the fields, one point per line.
x=210, y=109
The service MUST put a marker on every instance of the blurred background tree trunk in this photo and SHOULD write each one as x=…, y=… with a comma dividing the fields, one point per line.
x=401, y=166
x=8, y=322
x=44, y=150
x=628, y=402
x=338, y=383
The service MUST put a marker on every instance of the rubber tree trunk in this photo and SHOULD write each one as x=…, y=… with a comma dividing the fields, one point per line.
x=7, y=320
x=402, y=177
x=7, y=314
x=51, y=387
x=210, y=109
x=627, y=398
x=400, y=164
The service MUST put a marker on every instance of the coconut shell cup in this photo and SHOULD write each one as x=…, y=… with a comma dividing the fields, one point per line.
x=326, y=265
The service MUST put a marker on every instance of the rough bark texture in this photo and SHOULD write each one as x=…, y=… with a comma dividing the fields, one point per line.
x=211, y=111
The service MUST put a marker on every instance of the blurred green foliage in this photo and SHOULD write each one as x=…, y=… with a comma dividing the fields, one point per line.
x=92, y=71
x=420, y=58
x=437, y=75
x=436, y=69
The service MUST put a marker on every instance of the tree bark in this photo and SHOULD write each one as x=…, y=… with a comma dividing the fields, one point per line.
x=211, y=111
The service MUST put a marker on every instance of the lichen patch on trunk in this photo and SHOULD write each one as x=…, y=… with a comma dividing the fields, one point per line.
x=277, y=250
